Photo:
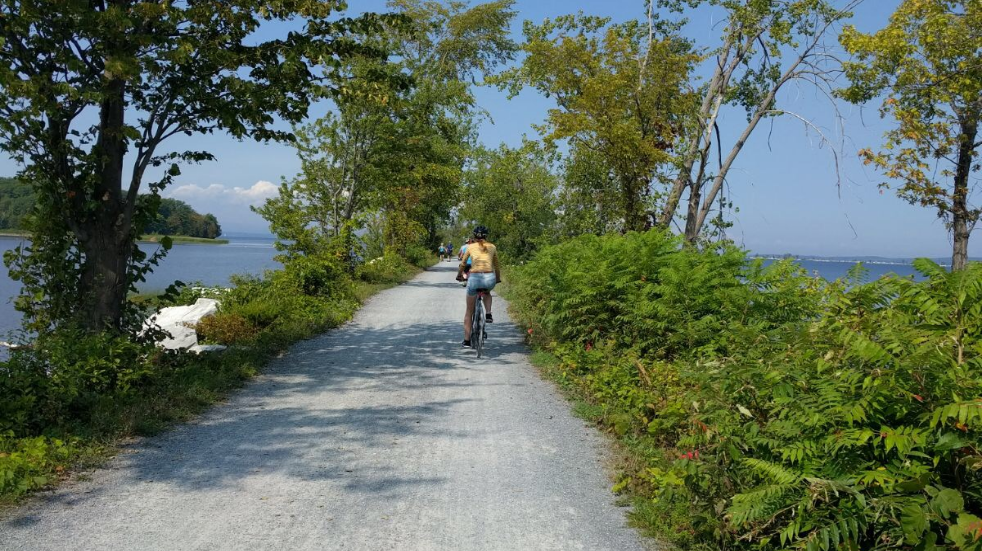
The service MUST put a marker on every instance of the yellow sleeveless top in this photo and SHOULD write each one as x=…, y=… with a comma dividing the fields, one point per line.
x=482, y=260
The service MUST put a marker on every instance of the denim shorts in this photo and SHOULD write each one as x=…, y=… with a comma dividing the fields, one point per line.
x=480, y=280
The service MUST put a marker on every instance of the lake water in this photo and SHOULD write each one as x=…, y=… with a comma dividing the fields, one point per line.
x=214, y=264
x=836, y=269
x=207, y=264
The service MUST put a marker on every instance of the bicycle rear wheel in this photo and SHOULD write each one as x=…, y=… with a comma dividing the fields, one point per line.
x=477, y=327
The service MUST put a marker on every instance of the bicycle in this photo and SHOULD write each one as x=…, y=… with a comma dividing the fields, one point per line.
x=478, y=323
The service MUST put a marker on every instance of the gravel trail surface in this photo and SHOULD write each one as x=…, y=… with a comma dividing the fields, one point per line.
x=382, y=434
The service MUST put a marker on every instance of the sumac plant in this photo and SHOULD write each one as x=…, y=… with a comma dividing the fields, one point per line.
x=789, y=413
x=857, y=430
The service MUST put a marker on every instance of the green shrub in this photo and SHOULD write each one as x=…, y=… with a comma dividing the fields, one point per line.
x=30, y=463
x=320, y=276
x=420, y=256
x=861, y=427
x=389, y=268
x=225, y=328
x=790, y=413
x=86, y=387
x=644, y=292
x=65, y=376
x=264, y=311
x=24, y=386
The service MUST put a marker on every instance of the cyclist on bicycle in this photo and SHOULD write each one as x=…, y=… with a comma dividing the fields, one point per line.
x=469, y=261
x=485, y=273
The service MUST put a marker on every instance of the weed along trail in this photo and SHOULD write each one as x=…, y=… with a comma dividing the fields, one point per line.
x=382, y=434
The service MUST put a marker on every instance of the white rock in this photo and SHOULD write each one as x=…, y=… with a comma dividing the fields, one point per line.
x=215, y=291
x=199, y=348
x=179, y=321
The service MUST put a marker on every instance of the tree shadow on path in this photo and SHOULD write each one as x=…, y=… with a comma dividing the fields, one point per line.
x=295, y=422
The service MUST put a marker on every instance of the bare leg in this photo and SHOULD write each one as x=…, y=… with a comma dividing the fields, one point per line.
x=487, y=303
x=471, y=301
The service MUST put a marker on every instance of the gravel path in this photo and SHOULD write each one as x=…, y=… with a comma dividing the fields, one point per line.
x=383, y=434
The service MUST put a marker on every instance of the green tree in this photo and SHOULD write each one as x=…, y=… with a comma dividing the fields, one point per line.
x=764, y=46
x=587, y=201
x=212, y=227
x=16, y=201
x=451, y=47
x=336, y=181
x=620, y=89
x=511, y=191
x=927, y=65
x=143, y=72
x=393, y=157
x=175, y=217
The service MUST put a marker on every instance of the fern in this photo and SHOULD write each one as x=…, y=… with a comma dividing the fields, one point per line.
x=786, y=412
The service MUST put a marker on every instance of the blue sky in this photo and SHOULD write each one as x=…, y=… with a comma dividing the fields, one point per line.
x=785, y=187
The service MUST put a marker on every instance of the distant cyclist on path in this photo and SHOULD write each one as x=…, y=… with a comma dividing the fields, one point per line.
x=484, y=274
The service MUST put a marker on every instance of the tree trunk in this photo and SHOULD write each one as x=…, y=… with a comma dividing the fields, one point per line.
x=962, y=222
x=708, y=113
x=724, y=169
x=762, y=109
x=634, y=219
x=695, y=196
x=707, y=117
x=108, y=239
x=104, y=280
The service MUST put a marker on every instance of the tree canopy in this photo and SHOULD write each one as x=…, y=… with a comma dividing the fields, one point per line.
x=512, y=193
x=175, y=217
x=763, y=46
x=620, y=89
x=16, y=201
x=927, y=65
x=85, y=86
x=394, y=156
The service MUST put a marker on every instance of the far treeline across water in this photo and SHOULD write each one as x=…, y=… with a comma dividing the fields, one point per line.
x=174, y=217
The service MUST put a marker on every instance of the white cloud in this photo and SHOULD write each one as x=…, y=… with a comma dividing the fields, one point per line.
x=254, y=195
x=229, y=204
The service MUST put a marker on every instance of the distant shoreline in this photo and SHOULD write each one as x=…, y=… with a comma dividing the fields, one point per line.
x=155, y=239
x=184, y=239
x=838, y=260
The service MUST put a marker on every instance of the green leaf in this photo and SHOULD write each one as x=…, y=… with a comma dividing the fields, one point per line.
x=966, y=534
x=913, y=521
x=928, y=543
x=948, y=501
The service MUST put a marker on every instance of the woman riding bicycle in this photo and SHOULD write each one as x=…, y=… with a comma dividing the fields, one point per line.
x=485, y=273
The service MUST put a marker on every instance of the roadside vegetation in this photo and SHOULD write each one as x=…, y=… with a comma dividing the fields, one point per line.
x=74, y=395
x=378, y=180
x=759, y=408
x=756, y=407
x=765, y=409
